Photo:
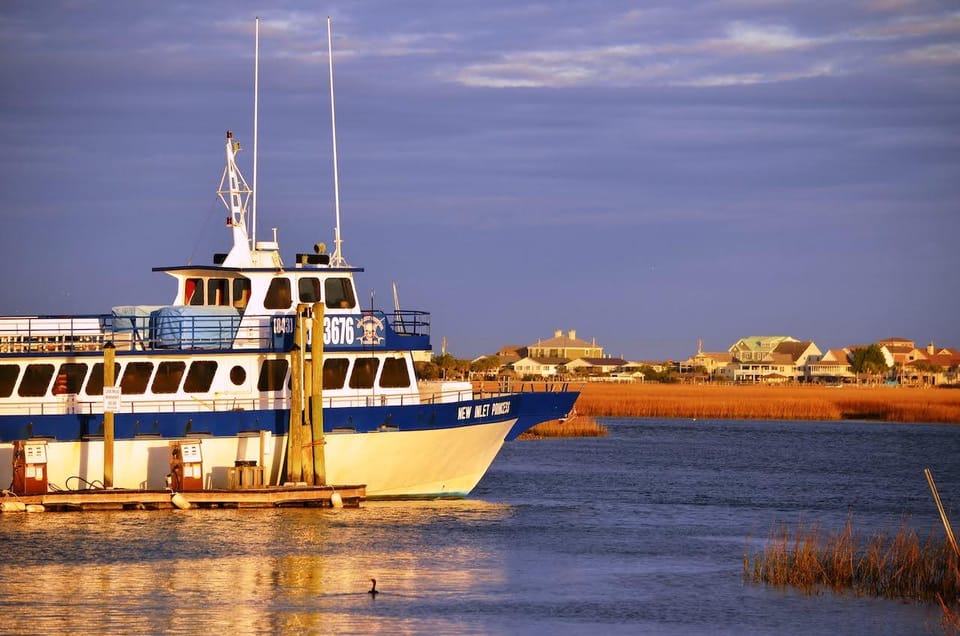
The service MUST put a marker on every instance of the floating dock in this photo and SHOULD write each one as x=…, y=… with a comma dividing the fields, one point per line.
x=120, y=499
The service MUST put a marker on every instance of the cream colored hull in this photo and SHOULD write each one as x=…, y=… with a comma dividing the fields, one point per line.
x=444, y=462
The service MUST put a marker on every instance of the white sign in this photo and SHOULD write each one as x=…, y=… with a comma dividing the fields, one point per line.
x=111, y=399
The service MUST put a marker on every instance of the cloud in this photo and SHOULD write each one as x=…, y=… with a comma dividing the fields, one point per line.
x=742, y=36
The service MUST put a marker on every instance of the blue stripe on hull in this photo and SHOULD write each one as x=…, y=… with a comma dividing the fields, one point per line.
x=529, y=408
x=537, y=407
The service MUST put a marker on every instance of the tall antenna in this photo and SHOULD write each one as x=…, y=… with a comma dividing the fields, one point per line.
x=336, y=260
x=256, y=109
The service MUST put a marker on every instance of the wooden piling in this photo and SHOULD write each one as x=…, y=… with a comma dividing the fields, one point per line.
x=306, y=435
x=294, y=437
x=316, y=395
x=109, y=378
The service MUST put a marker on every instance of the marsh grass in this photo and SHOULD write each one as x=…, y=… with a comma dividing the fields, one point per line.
x=797, y=402
x=896, y=567
x=579, y=426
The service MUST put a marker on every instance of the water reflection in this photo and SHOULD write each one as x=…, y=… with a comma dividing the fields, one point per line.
x=254, y=571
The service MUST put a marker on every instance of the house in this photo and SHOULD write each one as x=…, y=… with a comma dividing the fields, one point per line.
x=567, y=346
x=934, y=370
x=713, y=362
x=595, y=366
x=771, y=359
x=511, y=353
x=543, y=367
x=832, y=368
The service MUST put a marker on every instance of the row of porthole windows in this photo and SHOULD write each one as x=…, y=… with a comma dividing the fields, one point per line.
x=38, y=378
x=394, y=375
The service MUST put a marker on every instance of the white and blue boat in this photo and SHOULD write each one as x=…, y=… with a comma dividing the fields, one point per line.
x=215, y=367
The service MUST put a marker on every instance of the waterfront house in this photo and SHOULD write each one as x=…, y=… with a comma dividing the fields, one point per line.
x=832, y=368
x=771, y=359
x=541, y=367
x=595, y=366
x=567, y=347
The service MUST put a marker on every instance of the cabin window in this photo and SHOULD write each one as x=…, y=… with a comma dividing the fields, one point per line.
x=193, y=291
x=238, y=375
x=334, y=373
x=395, y=374
x=339, y=293
x=136, y=375
x=364, y=371
x=168, y=377
x=200, y=376
x=309, y=290
x=95, y=383
x=218, y=291
x=36, y=380
x=272, y=375
x=8, y=378
x=241, y=293
x=278, y=295
x=73, y=374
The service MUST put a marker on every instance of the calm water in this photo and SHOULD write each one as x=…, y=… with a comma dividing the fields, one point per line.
x=640, y=532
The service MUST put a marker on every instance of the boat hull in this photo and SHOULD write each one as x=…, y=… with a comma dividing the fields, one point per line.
x=426, y=450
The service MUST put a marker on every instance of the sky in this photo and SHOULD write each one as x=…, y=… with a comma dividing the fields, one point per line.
x=647, y=174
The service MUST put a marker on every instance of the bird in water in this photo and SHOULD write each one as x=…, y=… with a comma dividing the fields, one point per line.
x=373, y=590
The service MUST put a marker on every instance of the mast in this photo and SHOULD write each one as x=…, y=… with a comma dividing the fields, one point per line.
x=336, y=260
x=235, y=196
x=256, y=111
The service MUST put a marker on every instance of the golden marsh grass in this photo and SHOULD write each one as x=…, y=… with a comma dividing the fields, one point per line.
x=897, y=567
x=797, y=402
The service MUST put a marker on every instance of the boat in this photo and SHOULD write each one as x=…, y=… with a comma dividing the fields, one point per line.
x=257, y=370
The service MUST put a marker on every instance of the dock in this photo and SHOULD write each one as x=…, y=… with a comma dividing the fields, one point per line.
x=122, y=499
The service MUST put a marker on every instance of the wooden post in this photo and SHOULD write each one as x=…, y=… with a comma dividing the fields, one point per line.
x=943, y=515
x=316, y=396
x=306, y=437
x=294, y=438
x=109, y=378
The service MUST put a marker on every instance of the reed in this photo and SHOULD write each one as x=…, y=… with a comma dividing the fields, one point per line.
x=796, y=402
x=897, y=567
x=579, y=426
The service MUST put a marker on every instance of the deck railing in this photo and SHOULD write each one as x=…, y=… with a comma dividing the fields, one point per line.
x=89, y=333
x=93, y=405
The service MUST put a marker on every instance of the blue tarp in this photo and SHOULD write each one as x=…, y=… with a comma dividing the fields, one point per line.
x=130, y=317
x=194, y=327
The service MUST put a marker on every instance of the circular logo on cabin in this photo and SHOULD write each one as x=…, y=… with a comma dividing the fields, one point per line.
x=371, y=330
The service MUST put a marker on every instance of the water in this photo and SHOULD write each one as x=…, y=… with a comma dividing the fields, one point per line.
x=643, y=531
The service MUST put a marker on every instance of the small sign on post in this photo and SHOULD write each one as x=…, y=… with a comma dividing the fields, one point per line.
x=111, y=399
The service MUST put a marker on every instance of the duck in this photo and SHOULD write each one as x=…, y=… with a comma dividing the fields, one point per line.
x=373, y=590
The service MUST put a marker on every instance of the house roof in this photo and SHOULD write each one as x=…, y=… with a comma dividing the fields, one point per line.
x=604, y=362
x=564, y=342
x=793, y=349
x=763, y=343
x=835, y=355
x=941, y=360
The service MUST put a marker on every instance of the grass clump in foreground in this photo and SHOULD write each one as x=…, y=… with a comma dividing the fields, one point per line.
x=896, y=567
x=578, y=426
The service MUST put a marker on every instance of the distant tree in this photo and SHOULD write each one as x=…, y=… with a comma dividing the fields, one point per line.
x=486, y=366
x=450, y=367
x=427, y=370
x=667, y=376
x=869, y=361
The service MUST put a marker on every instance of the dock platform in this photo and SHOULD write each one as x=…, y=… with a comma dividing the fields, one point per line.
x=121, y=499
